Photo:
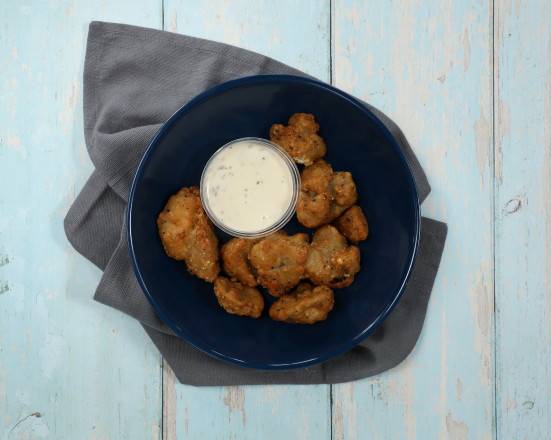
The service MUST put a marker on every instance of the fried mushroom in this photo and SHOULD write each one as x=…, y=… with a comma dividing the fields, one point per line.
x=187, y=234
x=353, y=224
x=235, y=259
x=279, y=261
x=237, y=299
x=331, y=261
x=299, y=138
x=324, y=194
x=306, y=305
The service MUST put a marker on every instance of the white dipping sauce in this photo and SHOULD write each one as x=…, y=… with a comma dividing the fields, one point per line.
x=248, y=186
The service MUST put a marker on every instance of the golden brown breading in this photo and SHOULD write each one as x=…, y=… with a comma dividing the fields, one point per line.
x=353, y=224
x=306, y=305
x=299, y=138
x=344, y=192
x=237, y=299
x=187, y=234
x=331, y=261
x=279, y=261
x=324, y=194
x=314, y=203
x=235, y=257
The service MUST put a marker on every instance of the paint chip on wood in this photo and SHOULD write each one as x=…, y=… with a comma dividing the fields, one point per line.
x=466, y=50
x=482, y=143
x=235, y=401
x=458, y=389
x=456, y=430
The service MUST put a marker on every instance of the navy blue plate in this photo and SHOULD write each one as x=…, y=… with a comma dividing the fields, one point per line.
x=357, y=141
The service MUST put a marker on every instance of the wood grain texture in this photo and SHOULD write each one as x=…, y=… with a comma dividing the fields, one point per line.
x=460, y=77
x=296, y=33
x=69, y=368
x=428, y=65
x=523, y=218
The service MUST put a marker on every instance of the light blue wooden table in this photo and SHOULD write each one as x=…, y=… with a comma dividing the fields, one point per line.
x=469, y=81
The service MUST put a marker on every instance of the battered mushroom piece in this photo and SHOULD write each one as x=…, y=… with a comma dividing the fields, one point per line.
x=344, y=192
x=324, y=194
x=353, y=224
x=315, y=200
x=306, y=305
x=279, y=261
x=235, y=257
x=186, y=234
x=237, y=299
x=331, y=261
x=299, y=138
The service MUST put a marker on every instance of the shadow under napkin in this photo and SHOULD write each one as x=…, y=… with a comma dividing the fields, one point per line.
x=134, y=80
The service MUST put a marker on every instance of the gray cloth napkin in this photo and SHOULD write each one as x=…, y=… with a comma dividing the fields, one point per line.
x=134, y=79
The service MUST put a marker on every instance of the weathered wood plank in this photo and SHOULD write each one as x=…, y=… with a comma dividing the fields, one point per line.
x=69, y=368
x=296, y=33
x=428, y=65
x=523, y=218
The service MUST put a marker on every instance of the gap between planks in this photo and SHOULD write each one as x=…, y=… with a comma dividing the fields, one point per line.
x=494, y=64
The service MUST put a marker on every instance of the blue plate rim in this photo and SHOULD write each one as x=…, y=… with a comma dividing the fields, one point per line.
x=153, y=145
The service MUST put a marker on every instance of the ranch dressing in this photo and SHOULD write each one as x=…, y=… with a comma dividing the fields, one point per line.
x=249, y=186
